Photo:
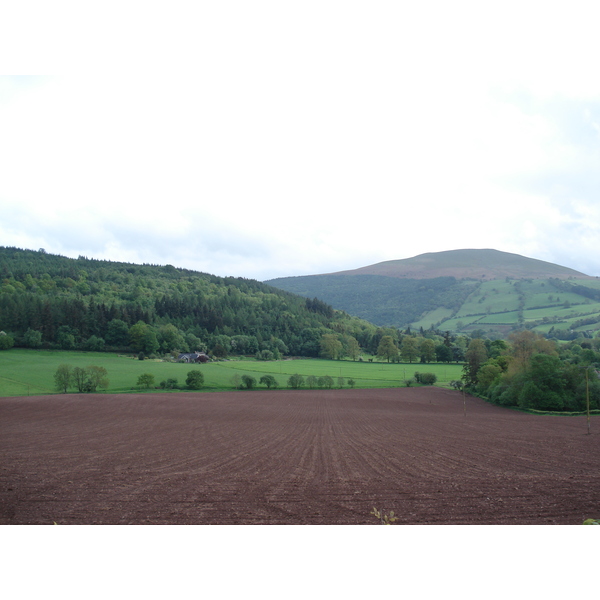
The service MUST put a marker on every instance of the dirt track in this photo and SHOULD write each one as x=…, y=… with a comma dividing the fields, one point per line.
x=292, y=457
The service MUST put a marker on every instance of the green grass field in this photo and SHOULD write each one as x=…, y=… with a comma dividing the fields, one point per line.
x=31, y=372
x=501, y=305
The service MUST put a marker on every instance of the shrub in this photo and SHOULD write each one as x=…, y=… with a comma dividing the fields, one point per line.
x=425, y=378
x=249, y=381
x=269, y=381
x=6, y=341
x=146, y=380
x=296, y=381
x=195, y=379
x=325, y=382
x=94, y=343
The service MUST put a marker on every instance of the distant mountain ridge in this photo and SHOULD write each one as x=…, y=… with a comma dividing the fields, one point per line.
x=460, y=291
x=481, y=264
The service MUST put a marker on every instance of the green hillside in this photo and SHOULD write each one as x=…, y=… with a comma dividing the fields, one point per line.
x=443, y=291
x=49, y=301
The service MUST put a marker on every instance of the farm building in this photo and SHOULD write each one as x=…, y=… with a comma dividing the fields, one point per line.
x=193, y=357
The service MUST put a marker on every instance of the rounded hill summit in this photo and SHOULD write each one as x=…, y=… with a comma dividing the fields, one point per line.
x=467, y=264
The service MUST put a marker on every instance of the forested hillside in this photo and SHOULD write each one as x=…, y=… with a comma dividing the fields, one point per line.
x=57, y=302
x=385, y=301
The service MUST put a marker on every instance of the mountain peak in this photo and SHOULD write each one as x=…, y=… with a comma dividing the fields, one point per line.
x=467, y=264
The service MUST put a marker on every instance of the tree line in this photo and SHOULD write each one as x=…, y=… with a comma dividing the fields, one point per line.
x=84, y=379
x=529, y=371
x=193, y=381
x=393, y=345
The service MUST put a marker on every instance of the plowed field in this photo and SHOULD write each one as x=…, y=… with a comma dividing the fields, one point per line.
x=292, y=457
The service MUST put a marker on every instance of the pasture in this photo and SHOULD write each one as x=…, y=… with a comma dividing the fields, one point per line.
x=292, y=457
x=31, y=372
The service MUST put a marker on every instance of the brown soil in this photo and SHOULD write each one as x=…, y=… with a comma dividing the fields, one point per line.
x=292, y=457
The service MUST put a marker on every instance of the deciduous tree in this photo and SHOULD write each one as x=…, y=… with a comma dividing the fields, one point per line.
x=296, y=381
x=96, y=377
x=117, y=333
x=80, y=376
x=195, y=379
x=427, y=350
x=249, y=381
x=32, y=338
x=475, y=356
x=6, y=341
x=409, y=349
x=63, y=377
x=269, y=381
x=352, y=348
x=387, y=348
x=331, y=347
x=325, y=382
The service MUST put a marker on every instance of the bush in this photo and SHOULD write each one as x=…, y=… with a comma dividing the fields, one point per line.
x=269, y=381
x=195, y=379
x=94, y=344
x=325, y=382
x=249, y=381
x=296, y=381
x=425, y=378
x=169, y=384
x=6, y=341
x=146, y=380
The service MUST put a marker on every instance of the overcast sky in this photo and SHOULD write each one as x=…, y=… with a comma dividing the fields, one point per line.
x=267, y=139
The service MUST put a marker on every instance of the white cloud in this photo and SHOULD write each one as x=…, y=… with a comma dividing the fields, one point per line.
x=283, y=140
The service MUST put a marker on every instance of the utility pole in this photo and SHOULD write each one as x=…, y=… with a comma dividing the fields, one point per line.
x=587, y=397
